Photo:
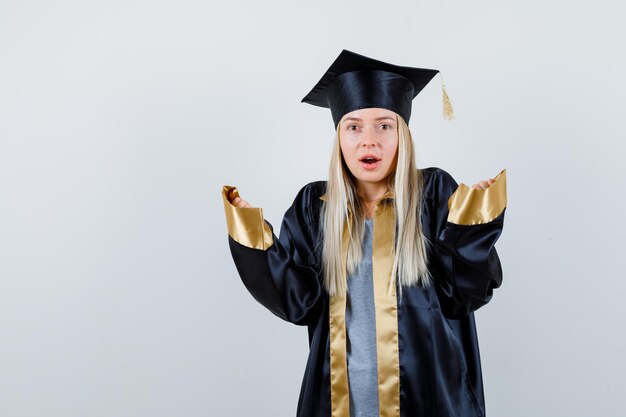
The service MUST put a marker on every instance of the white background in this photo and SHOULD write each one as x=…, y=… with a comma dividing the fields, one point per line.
x=121, y=120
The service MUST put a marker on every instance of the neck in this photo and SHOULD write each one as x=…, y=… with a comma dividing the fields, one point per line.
x=371, y=192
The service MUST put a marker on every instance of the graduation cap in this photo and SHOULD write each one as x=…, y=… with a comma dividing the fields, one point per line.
x=355, y=82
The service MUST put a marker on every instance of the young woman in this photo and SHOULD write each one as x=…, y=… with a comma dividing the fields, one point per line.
x=384, y=263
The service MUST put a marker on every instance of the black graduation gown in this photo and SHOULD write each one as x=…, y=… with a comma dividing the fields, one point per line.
x=435, y=368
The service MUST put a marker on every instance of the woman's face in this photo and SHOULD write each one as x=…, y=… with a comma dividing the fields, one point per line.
x=369, y=132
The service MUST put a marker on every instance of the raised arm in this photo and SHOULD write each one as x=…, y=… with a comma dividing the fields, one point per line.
x=276, y=271
x=469, y=222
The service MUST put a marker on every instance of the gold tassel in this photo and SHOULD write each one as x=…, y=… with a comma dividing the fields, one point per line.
x=448, y=110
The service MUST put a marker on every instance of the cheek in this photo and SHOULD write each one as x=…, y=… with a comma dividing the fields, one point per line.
x=348, y=154
x=344, y=153
x=392, y=150
x=342, y=150
x=392, y=159
x=347, y=159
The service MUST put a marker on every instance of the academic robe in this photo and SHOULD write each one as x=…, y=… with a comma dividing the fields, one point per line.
x=426, y=342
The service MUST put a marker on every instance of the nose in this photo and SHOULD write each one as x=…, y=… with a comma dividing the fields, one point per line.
x=368, y=138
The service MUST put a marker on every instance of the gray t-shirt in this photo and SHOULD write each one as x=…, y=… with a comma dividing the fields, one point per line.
x=361, y=330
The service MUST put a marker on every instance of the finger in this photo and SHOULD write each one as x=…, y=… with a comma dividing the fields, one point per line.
x=480, y=185
x=242, y=203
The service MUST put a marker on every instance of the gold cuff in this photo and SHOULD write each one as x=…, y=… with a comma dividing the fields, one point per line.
x=468, y=206
x=246, y=224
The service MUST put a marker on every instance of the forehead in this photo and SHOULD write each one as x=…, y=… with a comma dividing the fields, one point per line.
x=372, y=113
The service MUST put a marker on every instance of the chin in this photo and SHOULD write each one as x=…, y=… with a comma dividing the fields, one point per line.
x=370, y=177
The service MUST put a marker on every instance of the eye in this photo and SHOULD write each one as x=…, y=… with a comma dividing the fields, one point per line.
x=385, y=127
x=352, y=127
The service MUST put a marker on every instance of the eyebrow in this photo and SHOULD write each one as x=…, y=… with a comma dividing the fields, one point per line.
x=356, y=119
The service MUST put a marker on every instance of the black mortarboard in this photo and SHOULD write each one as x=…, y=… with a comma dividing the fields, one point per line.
x=355, y=82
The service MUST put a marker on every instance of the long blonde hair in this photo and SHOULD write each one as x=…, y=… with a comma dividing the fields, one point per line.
x=410, y=255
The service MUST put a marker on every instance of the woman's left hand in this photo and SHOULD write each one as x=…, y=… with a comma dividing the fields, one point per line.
x=483, y=184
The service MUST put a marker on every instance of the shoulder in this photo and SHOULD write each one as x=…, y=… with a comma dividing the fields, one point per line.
x=317, y=188
x=438, y=183
x=312, y=191
x=308, y=201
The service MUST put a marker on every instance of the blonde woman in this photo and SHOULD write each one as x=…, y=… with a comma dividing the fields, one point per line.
x=384, y=262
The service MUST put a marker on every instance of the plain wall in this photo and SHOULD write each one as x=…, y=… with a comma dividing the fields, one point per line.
x=120, y=121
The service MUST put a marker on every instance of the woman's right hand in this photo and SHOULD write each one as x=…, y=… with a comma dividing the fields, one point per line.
x=238, y=201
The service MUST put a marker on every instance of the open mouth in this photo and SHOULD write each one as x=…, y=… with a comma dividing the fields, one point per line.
x=369, y=158
x=369, y=161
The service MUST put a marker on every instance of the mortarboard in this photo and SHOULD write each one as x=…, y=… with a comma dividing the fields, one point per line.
x=355, y=82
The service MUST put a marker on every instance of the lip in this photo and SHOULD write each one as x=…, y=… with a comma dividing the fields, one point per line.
x=369, y=155
x=370, y=167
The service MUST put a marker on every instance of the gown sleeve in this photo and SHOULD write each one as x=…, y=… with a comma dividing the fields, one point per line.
x=469, y=222
x=276, y=271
